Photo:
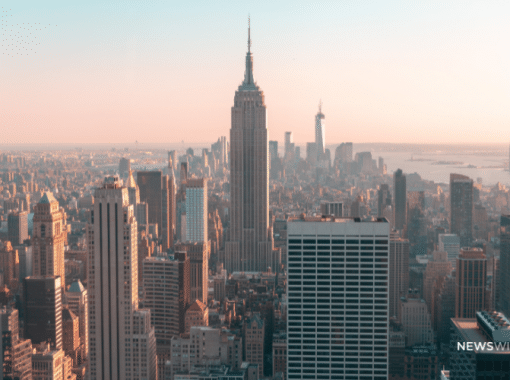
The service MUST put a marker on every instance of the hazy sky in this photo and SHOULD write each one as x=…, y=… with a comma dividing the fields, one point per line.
x=167, y=71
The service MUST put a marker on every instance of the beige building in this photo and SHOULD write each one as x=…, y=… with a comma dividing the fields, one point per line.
x=16, y=353
x=196, y=315
x=49, y=238
x=254, y=342
x=471, y=277
x=71, y=333
x=51, y=364
x=9, y=264
x=116, y=335
x=77, y=302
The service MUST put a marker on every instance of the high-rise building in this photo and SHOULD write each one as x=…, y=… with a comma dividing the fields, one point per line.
x=400, y=203
x=437, y=268
x=197, y=314
x=320, y=133
x=77, y=302
x=49, y=363
x=416, y=230
x=343, y=153
x=124, y=166
x=254, y=342
x=166, y=277
x=273, y=151
x=42, y=303
x=16, y=353
x=196, y=210
x=471, y=276
x=398, y=272
x=133, y=190
x=280, y=354
x=114, y=334
x=198, y=254
x=338, y=299
x=9, y=265
x=154, y=190
x=479, y=347
x=311, y=153
x=250, y=246
x=503, y=280
x=17, y=227
x=49, y=238
x=461, y=208
x=71, y=335
x=383, y=199
x=449, y=243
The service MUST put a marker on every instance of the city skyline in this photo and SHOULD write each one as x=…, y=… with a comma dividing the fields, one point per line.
x=386, y=73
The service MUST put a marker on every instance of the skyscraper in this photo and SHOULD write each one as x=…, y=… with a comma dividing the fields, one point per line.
x=320, y=133
x=154, y=190
x=196, y=210
x=198, y=254
x=16, y=353
x=77, y=301
x=250, y=245
x=113, y=288
x=42, y=301
x=400, y=211
x=338, y=299
x=449, y=243
x=461, y=208
x=383, y=199
x=49, y=237
x=17, y=227
x=399, y=272
x=471, y=276
x=503, y=281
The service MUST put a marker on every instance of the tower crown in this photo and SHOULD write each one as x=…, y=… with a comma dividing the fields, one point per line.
x=249, y=83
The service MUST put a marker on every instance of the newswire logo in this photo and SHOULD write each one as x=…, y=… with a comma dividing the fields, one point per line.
x=483, y=346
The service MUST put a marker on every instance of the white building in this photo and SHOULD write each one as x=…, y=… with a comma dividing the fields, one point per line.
x=338, y=302
x=114, y=337
x=196, y=210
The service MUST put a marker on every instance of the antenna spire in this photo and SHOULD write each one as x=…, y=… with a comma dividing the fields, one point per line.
x=320, y=106
x=249, y=38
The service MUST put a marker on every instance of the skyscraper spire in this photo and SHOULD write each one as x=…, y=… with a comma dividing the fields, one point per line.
x=249, y=38
x=249, y=83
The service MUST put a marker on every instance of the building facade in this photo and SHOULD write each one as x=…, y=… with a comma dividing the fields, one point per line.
x=461, y=208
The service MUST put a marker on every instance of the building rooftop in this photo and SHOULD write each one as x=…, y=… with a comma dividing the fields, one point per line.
x=47, y=198
x=76, y=287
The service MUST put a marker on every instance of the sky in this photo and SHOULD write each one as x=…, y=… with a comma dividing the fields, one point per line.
x=167, y=71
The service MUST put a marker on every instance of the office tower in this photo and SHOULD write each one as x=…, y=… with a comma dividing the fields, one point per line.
x=166, y=216
x=289, y=144
x=400, y=211
x=184, y=173
x=471, y=276
x=124, y=166
x=437, y=268
x=280, y=354
x=398, y=272
x=49, y=238
x=172, y=189
x=166, y=277
x=133, y=191
x=320, y=133
x=71, y=335
x=332, y=209
x=144, y=358
x=198, y=254
x=416, y=230
x=343, y=153
x=311, y=153
x=503, y=282
x=155, y=192
x=17, y=227
x=449, y=243
x=445, y=309
x=16, y=353
x=142, y=213
x=273, y=150
x=461, y=208
x=250, y=245
x=113, y=286
x=415, y=318
x=197, y=314
x=196, y=210
x=254, y=342
x=479, y=347
x=77, y=302
x=42, y=303
x=9, y=265
x=383, y=199
x=338, y=282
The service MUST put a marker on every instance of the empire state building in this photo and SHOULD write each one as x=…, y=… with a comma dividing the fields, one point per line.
x=250, y=245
